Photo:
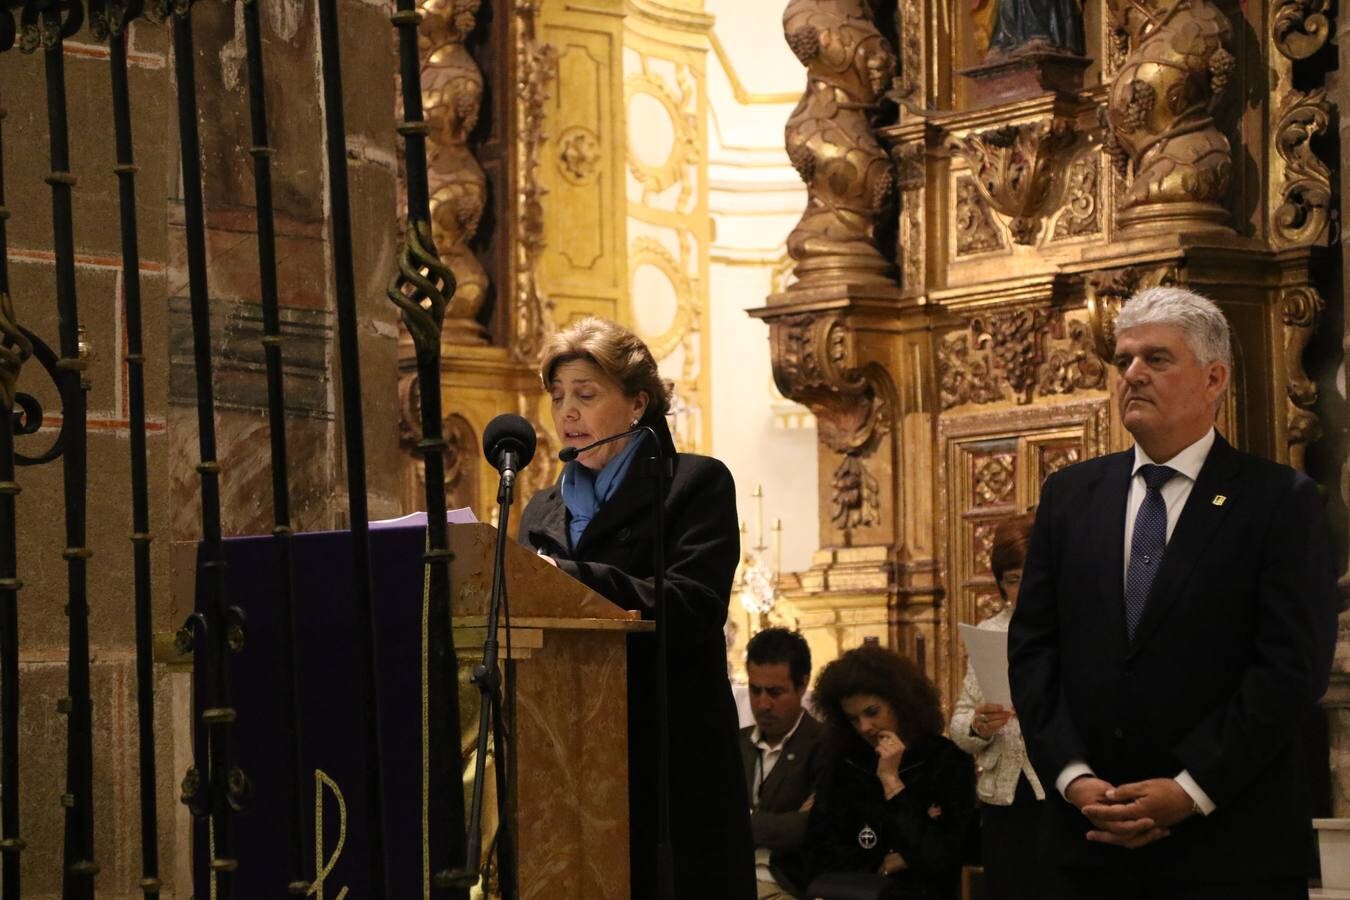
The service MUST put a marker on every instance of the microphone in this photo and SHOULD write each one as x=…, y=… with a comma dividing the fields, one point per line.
x=567, y=454
x=508, y=444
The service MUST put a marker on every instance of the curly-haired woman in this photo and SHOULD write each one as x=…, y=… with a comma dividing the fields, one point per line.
x=899, y=799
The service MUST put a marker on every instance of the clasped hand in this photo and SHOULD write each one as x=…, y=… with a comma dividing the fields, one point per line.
x=889, y=750
x=1132, y=815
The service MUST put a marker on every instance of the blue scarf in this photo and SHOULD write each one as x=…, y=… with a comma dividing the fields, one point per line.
x=584, y=491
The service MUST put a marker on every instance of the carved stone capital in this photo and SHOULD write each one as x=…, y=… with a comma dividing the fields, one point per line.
x=1161, y=113
x=849, y=179
x=815, y=362
x=1014, y=167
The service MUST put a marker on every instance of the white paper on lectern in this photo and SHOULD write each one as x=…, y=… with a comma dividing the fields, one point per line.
x=988, y=653
x=462, y=516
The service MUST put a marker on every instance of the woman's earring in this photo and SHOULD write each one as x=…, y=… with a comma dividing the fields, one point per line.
x=633, y=424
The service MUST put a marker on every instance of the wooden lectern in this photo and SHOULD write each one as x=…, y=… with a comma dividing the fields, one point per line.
x=570, y=766
x=569, y=757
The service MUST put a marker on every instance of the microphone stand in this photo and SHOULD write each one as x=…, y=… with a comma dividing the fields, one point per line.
x=488, y=678
x=660, y=469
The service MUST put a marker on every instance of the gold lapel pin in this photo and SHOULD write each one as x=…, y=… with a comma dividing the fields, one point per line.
x=1219, y=500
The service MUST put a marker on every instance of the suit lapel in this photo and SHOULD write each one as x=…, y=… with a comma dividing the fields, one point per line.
x=787, y=763
x=1109, y=541
x=1200, y=520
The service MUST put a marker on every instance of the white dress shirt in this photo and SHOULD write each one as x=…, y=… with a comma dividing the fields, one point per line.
x=1187, y=464
x=768, y=758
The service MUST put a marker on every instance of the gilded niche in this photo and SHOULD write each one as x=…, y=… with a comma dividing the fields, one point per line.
x=1017, y=354
x=814, y=363
x=452, y=96
x=1014, y=167
x=848, y=176
x=1161, y=112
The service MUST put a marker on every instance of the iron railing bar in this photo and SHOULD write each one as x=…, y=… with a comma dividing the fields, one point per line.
x=11, y=356
x=79, y=868
x=218, y=715
x=140, y=491
x=350, y=364
x=276, y=417
x=443, y=665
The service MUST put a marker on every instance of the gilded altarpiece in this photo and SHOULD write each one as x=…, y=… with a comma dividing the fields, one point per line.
x=977, y=212
x=524, y=109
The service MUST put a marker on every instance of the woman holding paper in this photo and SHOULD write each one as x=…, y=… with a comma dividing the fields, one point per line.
x=1010, y=794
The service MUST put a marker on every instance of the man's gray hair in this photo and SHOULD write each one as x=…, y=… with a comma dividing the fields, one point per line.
x=1199, y=318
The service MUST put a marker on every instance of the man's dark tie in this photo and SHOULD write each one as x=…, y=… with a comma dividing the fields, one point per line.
x=1147, y=544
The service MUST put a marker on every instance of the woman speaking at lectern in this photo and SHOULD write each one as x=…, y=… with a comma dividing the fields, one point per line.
x=596, y=525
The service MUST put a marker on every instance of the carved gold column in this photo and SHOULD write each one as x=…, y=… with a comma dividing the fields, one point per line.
x=485, y=372
x=831, y=144
x=452, y=92
x=839, y=345
x=1161, y=112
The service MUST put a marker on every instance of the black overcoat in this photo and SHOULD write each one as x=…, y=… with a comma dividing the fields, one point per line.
x=1232, y=652
x=710, y=818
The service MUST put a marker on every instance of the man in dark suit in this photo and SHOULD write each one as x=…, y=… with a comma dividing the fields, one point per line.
x=1175, y=627
x=783, y=755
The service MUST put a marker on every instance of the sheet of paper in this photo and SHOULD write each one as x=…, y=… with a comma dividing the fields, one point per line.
x=988, y=652
x=462, y=516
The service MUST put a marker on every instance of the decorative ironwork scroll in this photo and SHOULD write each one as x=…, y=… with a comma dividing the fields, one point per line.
x=422, y=289
x=15, y=348
x=47, y=29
